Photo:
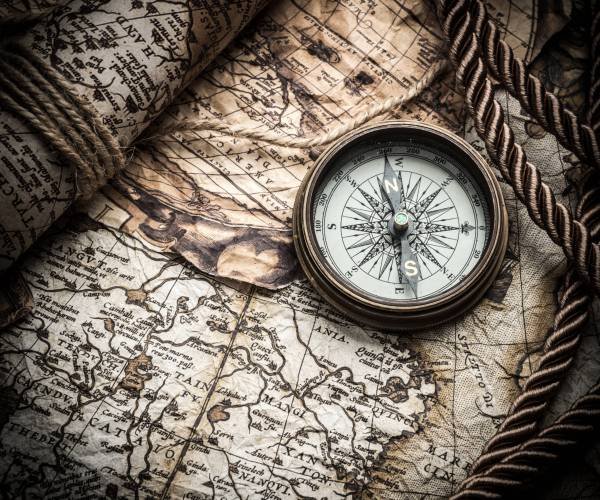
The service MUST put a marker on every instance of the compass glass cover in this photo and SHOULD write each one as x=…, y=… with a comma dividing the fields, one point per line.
x=400, y=221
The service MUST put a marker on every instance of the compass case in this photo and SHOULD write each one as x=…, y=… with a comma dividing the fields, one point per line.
x=379, y=312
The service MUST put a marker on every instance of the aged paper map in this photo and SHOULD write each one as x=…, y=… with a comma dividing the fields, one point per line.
x=174, y=350
x=128, y=60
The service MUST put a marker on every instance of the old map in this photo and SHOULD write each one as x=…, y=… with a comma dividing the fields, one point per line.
x=128, y=60
x=302, y=68
x=146, y=371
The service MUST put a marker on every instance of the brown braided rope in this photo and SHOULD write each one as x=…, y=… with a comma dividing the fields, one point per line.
x=591, y=211
x=518, y=466
x=542, y=105
x=593, y=114
x=522, y=465
x=558, y=355
x=516, y=471
x=562, y=344
x=524, y=416
x=525, y=179
x=41, y=97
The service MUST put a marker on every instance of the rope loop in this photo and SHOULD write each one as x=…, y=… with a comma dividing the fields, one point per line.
x=38, y=95
x=541, y=104
x=502, y=466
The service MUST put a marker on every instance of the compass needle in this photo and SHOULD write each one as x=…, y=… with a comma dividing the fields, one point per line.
x=392, y=186
x=400, y=225
x=410, y=265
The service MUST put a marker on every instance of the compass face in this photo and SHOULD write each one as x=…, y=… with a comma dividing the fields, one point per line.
x=446, y=212
x=401, y=225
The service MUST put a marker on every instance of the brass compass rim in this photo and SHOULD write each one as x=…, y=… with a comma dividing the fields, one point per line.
x=413, y=314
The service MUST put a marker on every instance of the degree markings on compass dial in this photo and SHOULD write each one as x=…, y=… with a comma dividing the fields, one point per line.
x=447, y=234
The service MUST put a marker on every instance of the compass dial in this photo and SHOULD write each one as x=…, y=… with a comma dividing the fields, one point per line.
x=401, y=221
x=447, y=216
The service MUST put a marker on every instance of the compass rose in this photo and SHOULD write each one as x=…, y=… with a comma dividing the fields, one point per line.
x=400, y=226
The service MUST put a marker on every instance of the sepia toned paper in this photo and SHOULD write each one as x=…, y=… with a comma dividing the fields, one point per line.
x=128, y=59
x=303, y=69
x=139, y=375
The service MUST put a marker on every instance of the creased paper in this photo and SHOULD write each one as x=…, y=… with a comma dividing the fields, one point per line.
x=128, y=59
x=302, y=70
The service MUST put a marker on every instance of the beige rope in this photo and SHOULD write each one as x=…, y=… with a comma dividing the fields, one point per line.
x=372, y=111
x=32, y=90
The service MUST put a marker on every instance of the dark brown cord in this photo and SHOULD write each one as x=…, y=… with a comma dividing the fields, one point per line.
x=525, y=179
x=542, y=105
x=561, y=346
x=536, y=455
x=559, y=351
x=41, y=97
x=573, y=301
x=558, y=355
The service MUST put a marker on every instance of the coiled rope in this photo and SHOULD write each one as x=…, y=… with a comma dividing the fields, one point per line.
x=464, y=33
x=525, y=179
x=36, y=93
x=542, y=105
x=536, y=455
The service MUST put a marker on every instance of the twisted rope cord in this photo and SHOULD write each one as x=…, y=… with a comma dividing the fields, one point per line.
x=544, y=106
x=593, y=115
x=525, y=180
x=559, y=351
x=35, y=92
x=523, y=177
x=536, y=455
x=573, y=305
x=589, y=209
x=371, y=111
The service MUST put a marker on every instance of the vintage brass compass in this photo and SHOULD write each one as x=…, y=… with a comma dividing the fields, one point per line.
x=401, y=225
